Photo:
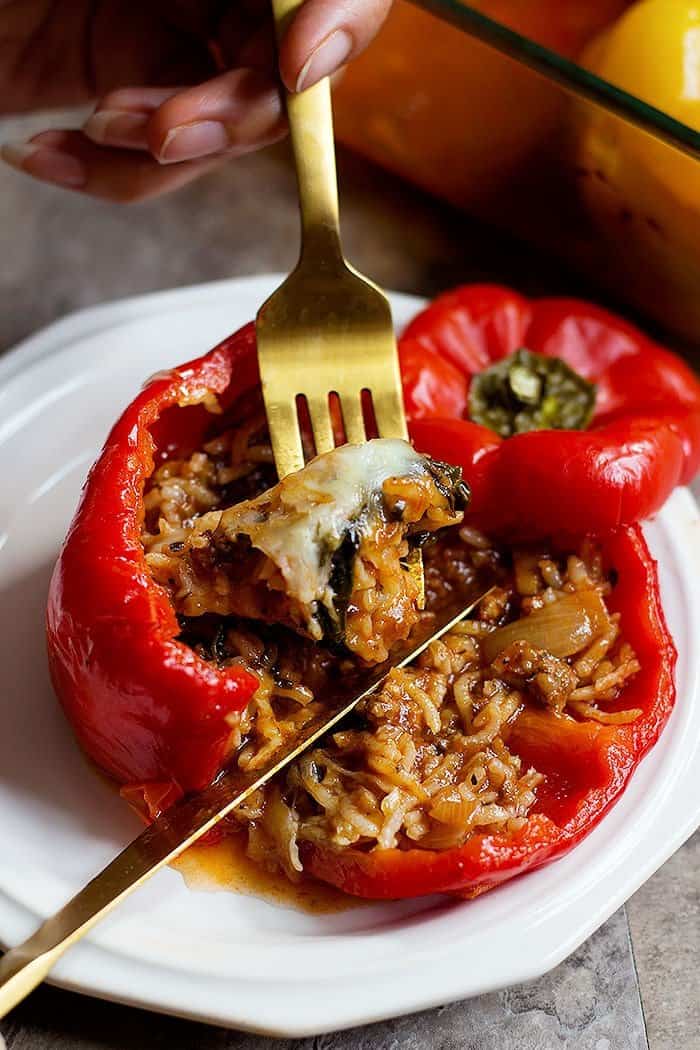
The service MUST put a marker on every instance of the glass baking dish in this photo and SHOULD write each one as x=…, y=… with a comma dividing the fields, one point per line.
x=484, y=106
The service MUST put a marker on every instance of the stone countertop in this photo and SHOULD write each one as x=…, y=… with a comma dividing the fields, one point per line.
x=636, y=983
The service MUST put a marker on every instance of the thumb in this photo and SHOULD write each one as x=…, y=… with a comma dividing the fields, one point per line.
x=324, y=35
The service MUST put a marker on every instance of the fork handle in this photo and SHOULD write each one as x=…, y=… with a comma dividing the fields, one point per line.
x=310, y=117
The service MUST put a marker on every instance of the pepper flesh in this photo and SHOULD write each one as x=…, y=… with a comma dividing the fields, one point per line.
x=644, y=438
x=143, y=705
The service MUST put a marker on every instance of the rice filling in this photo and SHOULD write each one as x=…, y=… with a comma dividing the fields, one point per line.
x=426, y=761
x=325, y=551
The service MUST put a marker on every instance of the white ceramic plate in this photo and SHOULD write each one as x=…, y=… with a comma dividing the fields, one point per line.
x=237, y=960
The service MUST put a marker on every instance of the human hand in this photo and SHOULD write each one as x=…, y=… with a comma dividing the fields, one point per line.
x=182, y=118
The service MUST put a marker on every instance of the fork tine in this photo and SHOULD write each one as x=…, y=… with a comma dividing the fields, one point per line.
x=389, y=414
x=285, y=436
x=319, y=411
x=353, y=420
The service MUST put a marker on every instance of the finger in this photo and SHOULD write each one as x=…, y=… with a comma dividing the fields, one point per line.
x=240, y=110
x=237, y=111
x=324, y=35
x=121, y=117
x=69, y=159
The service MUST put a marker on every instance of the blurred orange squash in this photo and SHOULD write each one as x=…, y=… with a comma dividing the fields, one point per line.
x=450, y=114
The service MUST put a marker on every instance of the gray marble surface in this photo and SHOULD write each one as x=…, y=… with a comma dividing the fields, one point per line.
x=61, y=252
x=590, y=1002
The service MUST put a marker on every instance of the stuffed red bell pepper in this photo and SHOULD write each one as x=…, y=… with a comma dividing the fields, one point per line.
x=183, y=633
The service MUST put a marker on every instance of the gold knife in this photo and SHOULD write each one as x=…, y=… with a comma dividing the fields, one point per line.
x=26, y=966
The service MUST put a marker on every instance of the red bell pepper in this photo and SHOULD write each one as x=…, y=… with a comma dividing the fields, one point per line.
x=153, y=714
x=586, y=765
x=643, y=440
x=143, y=705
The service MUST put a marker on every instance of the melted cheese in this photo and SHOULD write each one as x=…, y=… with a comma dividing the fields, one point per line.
x=301, y=523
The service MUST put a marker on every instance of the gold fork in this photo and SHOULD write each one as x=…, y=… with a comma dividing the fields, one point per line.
x=327, y=330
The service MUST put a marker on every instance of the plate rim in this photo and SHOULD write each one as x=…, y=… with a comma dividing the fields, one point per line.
x=90, y=968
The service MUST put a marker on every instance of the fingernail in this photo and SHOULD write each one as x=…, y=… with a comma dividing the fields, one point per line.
x=117, y=127
x=48, y=164
x=325, y=59
x=190, y=141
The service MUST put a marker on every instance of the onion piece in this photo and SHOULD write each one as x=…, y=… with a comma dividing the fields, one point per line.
x=562, y=628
